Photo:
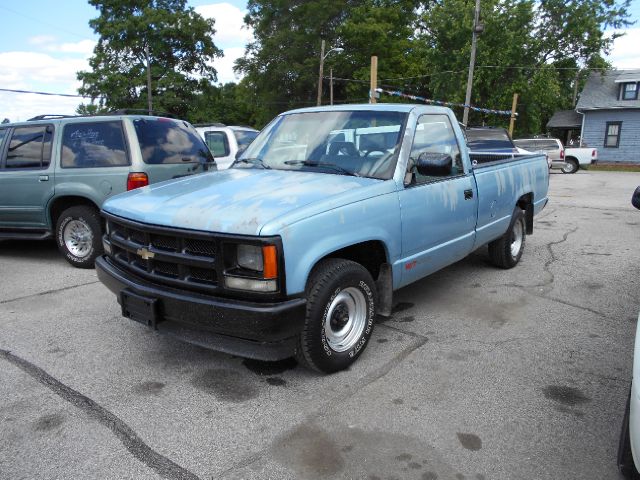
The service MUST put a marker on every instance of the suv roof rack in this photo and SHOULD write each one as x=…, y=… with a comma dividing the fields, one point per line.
x=49, y=116
x=139, y=111
x=213, y=124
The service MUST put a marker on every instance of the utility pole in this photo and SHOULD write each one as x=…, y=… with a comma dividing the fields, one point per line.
x=331, y=86
x=575, y=88
x=320, y=76
x=477, y=28
x=146, y=54
x=514, y=105
x=374, y=79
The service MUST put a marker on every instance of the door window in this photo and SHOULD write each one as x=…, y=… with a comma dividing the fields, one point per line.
x=30, y=147
x=434, y=134
x=217, y=143
x=93, y=144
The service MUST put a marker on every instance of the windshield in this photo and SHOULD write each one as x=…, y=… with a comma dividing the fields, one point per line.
x=359, y=143
x=245, y=137
x=163, y=140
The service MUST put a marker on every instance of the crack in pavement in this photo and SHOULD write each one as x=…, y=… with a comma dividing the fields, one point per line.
x=47, y=292
x=162, y=465
x=338, y=400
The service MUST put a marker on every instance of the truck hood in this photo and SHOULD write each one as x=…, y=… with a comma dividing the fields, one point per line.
x=239, y=201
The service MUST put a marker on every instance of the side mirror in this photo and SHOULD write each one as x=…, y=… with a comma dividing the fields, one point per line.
x=635, y=199
x=434, y=164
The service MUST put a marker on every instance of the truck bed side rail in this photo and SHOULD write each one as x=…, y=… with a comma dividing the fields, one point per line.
x=481, y=159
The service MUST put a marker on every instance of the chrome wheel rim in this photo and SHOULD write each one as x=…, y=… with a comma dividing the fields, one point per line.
x=346, y=319
x=78, y=238
x=517, y=235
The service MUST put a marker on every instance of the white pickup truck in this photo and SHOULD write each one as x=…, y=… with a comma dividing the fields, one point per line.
x=576, y=157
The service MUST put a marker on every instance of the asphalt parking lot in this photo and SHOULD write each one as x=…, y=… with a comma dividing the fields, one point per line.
x=480, y=373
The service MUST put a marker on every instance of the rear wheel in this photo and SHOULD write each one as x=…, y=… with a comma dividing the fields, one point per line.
x=341, y=304
x=78, y=235
x=506, y=251
x=571, y=166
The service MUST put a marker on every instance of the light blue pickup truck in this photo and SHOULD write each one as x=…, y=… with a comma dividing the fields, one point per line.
x=297, y=247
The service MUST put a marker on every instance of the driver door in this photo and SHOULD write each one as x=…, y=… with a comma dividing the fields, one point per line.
x=438, y=212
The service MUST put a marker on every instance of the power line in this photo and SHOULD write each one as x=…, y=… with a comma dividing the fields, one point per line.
x=515, y=67
x=70, y=95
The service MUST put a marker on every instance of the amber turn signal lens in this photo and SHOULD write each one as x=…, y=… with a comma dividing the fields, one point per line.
x=137, y=180
x=270, y=259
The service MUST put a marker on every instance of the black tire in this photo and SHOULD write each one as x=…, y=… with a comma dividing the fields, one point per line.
x=500, y=251
x=572, y=166
x=625, y=457
x=83, y=224
x=332, y=290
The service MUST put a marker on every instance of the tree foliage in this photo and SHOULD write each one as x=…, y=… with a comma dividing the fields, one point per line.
x=537, y=48
x=180, y=48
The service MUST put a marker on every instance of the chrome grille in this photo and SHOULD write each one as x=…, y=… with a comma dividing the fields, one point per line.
x=183, y=259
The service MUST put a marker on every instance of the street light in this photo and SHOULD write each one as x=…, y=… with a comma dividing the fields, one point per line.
x=322, y=58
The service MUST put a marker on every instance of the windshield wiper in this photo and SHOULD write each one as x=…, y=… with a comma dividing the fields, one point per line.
x=334, y=166
x=253, y=161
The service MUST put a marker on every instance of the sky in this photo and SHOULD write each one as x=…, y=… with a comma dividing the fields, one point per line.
x=42, y=48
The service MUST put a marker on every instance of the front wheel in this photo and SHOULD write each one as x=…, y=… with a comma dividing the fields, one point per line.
x=341, y=305
x=571, y=166
x=78, y=235
x=506, y=251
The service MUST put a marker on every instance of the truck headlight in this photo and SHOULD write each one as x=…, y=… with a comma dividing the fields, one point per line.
x=250, y=257
x=255, y=268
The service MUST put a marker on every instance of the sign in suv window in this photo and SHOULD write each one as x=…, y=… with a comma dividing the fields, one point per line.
x=93, y=144
x=30, y=147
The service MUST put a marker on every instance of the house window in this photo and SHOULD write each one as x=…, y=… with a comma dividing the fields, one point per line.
x=612, y=134
x=630, y=91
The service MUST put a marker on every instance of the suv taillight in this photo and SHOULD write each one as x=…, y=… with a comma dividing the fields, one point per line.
x=137, y=180
x=593, y=154
x=561, y=154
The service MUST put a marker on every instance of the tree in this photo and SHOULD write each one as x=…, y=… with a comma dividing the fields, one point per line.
x=180, y=51
x=532, y=48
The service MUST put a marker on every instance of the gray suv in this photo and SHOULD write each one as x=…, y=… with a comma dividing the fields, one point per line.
x=56, y=171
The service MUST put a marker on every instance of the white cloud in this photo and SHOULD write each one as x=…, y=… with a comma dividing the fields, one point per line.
x=625, y=52
x=83, y=46
x=26, y=70
x=19, y=106
x=230, y=28
x=224, y=65
x=41, y=39
x=38, y=72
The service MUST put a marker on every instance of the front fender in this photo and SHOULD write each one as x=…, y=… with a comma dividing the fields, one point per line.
x=308, y=241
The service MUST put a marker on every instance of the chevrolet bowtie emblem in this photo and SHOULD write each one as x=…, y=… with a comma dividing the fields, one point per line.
x=145, y=254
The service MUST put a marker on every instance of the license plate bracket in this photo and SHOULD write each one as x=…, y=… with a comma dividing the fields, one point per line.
x=139, y=308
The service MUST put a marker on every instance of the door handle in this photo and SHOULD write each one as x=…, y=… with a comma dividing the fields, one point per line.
x=468, y=194
x=43, y=178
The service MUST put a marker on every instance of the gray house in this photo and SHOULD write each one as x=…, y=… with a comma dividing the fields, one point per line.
x=610, y=109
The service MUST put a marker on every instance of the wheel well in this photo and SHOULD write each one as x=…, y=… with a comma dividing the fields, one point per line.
x=571, y=158
x=371, y=255
x=59, y=205
x=525, y=202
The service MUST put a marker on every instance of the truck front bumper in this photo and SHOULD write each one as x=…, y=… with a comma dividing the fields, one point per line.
x=263, y=331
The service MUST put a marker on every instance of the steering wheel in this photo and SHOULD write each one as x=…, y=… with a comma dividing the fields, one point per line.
x=375, y=150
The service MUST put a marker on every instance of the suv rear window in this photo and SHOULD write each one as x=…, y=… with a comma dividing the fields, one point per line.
x=244, y=137
x=93, y=144
x=163, y=140
x=30, y=147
